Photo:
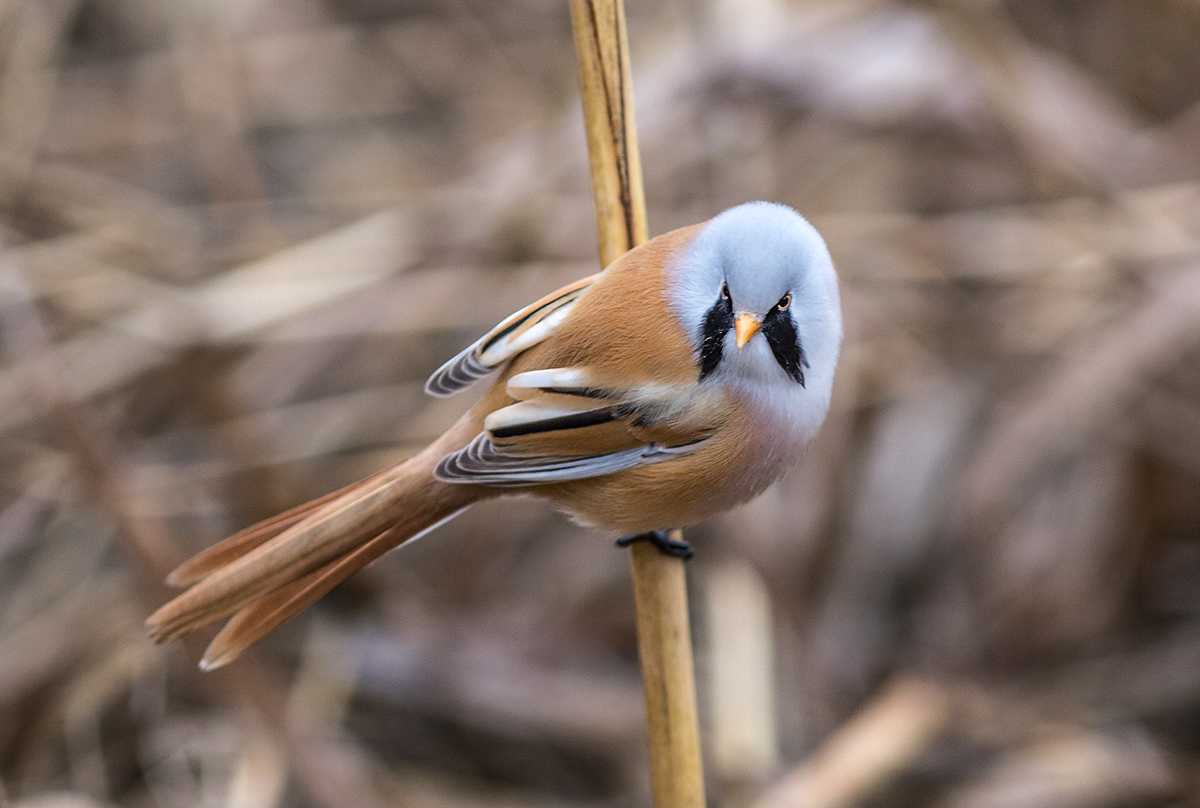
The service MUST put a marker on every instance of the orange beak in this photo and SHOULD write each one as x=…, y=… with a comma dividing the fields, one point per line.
x=744, y=327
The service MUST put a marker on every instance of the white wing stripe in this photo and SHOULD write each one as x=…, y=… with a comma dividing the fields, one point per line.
x=502, y=343
x=528, y=413
x=530, y=382
x=509, y=347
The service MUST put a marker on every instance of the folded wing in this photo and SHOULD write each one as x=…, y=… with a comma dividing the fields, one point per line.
x=517, y=332
x=564, y=426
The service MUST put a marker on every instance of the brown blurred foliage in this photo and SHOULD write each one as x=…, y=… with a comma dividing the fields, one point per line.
x=237, y=235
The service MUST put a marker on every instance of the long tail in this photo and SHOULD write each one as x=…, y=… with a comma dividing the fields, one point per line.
x=271, y=571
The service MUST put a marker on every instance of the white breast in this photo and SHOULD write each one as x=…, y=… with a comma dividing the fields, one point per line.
x=785, y=414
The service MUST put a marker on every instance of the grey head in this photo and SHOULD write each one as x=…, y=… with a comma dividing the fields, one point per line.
x=757, y=293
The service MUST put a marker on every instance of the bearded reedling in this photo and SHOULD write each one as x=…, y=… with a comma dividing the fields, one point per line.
x=680, y=381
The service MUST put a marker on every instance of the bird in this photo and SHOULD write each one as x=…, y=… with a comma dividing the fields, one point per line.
x=678, y=382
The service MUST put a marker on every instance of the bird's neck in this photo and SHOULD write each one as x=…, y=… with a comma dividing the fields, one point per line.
x=784, y=412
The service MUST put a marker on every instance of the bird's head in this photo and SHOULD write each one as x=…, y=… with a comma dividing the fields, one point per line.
x=757, y=292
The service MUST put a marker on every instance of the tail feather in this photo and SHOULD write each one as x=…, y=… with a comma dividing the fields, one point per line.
x=239, y=544
x=268, y=573
x=253, y=622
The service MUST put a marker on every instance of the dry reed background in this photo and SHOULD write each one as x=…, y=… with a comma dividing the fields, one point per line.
x=237, y=235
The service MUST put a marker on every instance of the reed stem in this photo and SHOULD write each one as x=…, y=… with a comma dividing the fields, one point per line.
x=659, y=584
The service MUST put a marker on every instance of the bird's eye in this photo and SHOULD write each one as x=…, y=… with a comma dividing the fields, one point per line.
x=725, y=291
x=784, y=302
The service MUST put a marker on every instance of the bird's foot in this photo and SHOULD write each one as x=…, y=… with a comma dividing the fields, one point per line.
x=662, y=540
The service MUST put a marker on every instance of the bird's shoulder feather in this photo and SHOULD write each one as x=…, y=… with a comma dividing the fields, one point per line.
x=619, y=316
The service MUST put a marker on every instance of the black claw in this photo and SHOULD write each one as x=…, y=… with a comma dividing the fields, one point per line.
x=662, y=540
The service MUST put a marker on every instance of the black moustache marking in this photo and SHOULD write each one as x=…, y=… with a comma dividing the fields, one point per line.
x=716, y=325
x=780, y=330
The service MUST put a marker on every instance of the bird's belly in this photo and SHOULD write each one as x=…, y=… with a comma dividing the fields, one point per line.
x=674, y=493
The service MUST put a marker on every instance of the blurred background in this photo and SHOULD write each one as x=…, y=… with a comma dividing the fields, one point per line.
x=238, y=235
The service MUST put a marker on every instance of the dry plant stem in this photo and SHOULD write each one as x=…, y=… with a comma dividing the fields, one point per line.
x=660, y=588
x=887, y=735
x=665, y=650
